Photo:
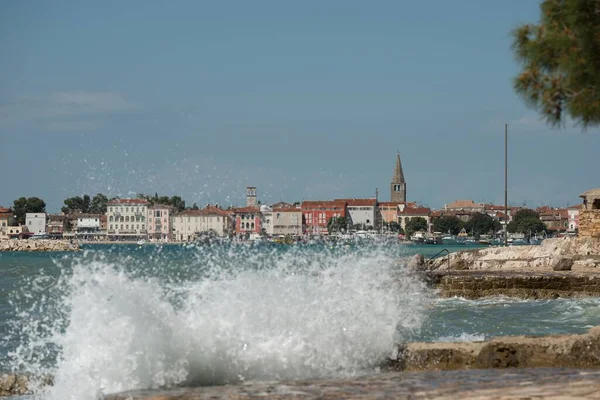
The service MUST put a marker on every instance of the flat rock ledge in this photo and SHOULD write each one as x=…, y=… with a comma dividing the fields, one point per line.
x=37, y=245
x=565, y=267
x=501, y=368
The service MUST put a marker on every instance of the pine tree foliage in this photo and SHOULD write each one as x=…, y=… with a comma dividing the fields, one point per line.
x=560, y=59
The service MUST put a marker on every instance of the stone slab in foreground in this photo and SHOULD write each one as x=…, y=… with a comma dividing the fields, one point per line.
x=538, y=383
x=499, y=369
x=574, y=351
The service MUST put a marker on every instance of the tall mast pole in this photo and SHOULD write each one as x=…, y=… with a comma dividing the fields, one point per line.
x=505, y=184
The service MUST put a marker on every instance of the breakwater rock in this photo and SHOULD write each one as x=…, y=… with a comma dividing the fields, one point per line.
x=534, y=383
x=437, y=370
x=583, y=252
x=502, y=367
x=566, y=267
x=19, y=384
x=37, y=245
x=572, y=351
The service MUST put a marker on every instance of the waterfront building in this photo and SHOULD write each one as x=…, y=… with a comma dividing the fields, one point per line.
x=361, y=212
x=87, y=223
x=247, y=221
x=35, y=222
x=14, y=232
x=555, y=219
x=190, y=225
x=6, y=219
x=287, y=221
x=398, y=184
x=266, y=219
x=57, y=226
x=573, y=219
x=316, y=214
x=414, y=212
x=159, y=221
x=465, y=205
x=127, y=218
x=388, y=210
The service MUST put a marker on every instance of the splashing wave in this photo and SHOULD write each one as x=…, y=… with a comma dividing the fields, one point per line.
x=235, y=314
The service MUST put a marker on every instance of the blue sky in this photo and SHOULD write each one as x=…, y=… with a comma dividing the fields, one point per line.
x=305, y=100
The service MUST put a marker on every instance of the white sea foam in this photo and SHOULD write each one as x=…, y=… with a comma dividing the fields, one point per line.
x=251, y=315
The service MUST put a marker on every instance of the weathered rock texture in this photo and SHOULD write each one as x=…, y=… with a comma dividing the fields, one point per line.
x=585, y=252
x=574, y=362
x=589, y=223
x=525, y=285
x=37, y=245
x=574, y=351
x=566, y=267
x=14, y=384
x=536, y=383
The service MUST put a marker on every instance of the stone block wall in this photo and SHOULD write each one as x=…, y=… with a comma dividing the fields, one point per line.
x=589, y=223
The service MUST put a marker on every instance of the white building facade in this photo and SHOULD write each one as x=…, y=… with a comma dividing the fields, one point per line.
x=159, y=221
x=266, y=214
x=361, y=211
x=126, y=218
x=188, y=225
x=88, y=222
x=287, y=221
x=36, y=222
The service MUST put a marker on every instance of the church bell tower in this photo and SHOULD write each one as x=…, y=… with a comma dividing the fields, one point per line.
x=398, y=184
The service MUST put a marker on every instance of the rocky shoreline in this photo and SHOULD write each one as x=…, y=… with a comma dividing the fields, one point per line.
x=565, y=267
x=578, y=354
x=436, y=370
x=37, y=245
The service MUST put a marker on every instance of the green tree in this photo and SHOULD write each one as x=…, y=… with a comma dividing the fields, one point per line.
x=98, y=205
x=416, y=224
x=194, y=207
x=526, y=221
x=73, y=205
x=336, y=224
x=525, y=213
x=177, y=202
x=447, y=224
x=394, y=226
x=481, y=224
x=24, y=205
x=560, y=58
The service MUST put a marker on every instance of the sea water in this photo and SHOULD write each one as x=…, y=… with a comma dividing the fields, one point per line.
x=114, y=318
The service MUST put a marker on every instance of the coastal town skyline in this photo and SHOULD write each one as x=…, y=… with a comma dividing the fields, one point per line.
x=303, y=102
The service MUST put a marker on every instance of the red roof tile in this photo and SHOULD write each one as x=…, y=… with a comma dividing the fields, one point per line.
x=246, y=210
x=416, y=211
x=288, y=210
x=324, y=203
x=359, y=202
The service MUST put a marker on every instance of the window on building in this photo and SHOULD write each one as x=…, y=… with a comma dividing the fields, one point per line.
x=126, y=209
x=121, y=226
x=126, y=226
x=142, y=226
